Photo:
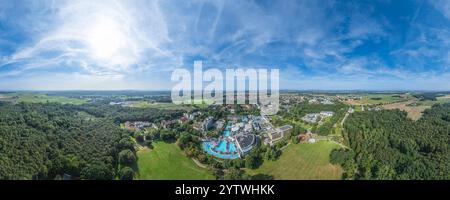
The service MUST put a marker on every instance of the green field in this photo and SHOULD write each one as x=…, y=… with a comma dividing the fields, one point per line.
x=159, y=105
x=442, y=99
x=302, y=162
x=39, y=98
x=168, y=162
x=373, y=99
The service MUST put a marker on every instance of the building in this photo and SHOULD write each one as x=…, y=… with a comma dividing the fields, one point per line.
x=327, y=113
x=314, y=117
x=278, y=134
x=272, y=137
x=245, y=143
x=115, y=103
x=136, y=126
x=248, y=127
x=327, y=102
x=256, y=126
x=208, y=123
x=374, y=109
x=285, y=130
x=311, y=140
x=312, y=101
x=184, y=119
x=219, y=124
x=311, y=117
x=167, y=123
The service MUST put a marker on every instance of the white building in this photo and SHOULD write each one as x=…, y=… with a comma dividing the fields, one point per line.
x=327, y=113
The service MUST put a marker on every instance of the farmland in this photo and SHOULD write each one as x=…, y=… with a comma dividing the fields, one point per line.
x=160, y=105
x=374, y=99
x=39, y=98
x=415, y=107
x=414, y=111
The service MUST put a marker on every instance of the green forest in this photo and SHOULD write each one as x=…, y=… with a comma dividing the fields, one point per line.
x=388, y=145
x=48, y=141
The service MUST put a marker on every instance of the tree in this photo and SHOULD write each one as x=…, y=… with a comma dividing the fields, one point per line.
x=97, y=171
x=184, y=140
x=272, y=153
x=152, y=134
x=139, y=137
x=126, y=143
x=126, y=173
x=253, y=159
x=387, y=144
x=71, y=165
x=127, y=157
x=235, y=174
x=167, y=135
x=340, y=156
x=294, y=139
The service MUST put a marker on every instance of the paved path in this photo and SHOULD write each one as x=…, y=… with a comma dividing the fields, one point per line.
x=343, y=120
x=199, y=164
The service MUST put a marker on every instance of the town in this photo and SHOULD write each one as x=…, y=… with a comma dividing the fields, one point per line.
x=231, y=135
x=145, y=136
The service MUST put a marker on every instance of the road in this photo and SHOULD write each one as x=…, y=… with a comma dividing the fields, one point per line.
x=345, y=117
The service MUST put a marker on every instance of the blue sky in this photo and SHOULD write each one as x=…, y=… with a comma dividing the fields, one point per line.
x=134, y=44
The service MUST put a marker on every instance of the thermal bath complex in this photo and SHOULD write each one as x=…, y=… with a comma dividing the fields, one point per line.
x=231, y=145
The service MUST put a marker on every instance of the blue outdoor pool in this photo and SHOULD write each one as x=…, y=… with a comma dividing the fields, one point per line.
x=226, y=133
x=224, y=149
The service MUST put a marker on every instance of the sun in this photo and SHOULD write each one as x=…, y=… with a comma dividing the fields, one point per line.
x=105, y=38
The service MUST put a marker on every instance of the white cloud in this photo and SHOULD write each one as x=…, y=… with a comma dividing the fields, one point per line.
x=106, y=36
x=442, y=6
x=143, y=41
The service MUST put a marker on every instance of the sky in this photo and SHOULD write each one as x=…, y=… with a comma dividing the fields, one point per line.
x=137, y=44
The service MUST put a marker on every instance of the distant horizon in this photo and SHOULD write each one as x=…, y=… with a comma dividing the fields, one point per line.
x=281, y=90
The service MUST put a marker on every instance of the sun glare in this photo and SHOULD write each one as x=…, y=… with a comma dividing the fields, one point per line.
x=105, y=38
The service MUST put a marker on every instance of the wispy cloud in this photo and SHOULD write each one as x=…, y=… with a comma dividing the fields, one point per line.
x=137, y=43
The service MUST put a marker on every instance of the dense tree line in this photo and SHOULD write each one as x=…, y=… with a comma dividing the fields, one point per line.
x=47, y=141
x=119, y=114
x=388, y=145
x=428, y=96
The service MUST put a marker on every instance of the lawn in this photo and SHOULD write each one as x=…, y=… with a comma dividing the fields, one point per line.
x=302, y=162
x=168, y=162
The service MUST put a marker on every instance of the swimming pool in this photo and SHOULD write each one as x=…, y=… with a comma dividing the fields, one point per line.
x=209, y=148
x=224, y=149
x=226, y=133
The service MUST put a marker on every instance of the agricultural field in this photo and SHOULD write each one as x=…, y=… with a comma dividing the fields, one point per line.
x=415, y=107
x=39, y=98
x=303, y=162
x=441, y=99
x=160, y=105
x=168, y=162
x=414, y=111
x=374, y=99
